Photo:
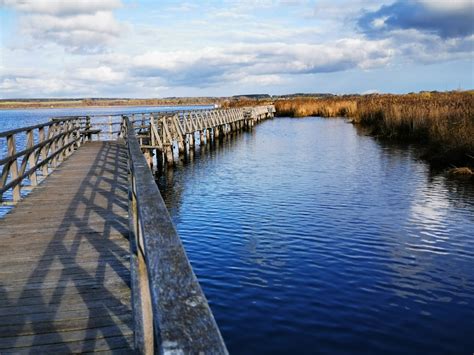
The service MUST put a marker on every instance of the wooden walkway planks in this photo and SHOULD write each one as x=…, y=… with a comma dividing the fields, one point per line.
x=64, y=259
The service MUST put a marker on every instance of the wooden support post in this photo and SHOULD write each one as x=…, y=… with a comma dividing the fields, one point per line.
x=179, y=134
x=111, y=128
x=149, y=157
x=159, y=161
x=88, y=128
x=191, y=140
x=169, y=155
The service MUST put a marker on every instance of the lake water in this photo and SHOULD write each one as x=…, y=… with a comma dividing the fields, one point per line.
x=309, y=237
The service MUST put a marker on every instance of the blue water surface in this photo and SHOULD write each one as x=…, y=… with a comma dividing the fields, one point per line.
x=309, y=237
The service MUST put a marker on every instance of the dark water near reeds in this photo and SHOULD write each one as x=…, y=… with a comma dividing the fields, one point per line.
x=309, y=237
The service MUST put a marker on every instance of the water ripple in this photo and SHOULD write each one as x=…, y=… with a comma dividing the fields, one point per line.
x=308, y=237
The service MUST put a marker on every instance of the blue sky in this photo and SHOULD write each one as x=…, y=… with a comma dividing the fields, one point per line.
x=133, y=48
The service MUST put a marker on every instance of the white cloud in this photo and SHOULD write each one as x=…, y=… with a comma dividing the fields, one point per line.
x=85, y=26
x=80, y=33
x=62, y=7
x=209, y=65
x=379, y=22
x=420, y=47
x=449, y=5
x=100, y=74
x=261, y=80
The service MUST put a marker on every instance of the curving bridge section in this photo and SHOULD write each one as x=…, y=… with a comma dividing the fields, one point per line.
x=90, y=260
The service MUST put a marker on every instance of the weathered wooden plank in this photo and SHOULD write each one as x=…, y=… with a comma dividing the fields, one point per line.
x=67, y=295
x=63, y=306
x=109, y=343
x=14, y=330
x=18, y=295
x=75, y=275
x=65, y=325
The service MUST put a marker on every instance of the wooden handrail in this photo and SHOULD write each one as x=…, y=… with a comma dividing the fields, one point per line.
x=28, y=151
x=171, y=313
x=41, y=125
x=56, y=144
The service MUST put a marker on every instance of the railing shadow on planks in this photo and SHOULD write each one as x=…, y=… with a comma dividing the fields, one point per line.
x=171, y=313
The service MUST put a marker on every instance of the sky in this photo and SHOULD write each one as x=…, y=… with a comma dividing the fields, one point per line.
x=152, y=48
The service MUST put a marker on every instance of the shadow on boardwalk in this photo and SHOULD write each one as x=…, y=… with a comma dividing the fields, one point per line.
x=64, y=268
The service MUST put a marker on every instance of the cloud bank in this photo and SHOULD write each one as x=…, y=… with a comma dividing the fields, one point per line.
x=64, y=48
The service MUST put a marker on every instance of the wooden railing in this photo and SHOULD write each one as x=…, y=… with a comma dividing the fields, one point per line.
x=171, y=313
x=45, y=147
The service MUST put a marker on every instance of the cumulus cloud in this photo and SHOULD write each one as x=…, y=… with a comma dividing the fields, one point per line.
x=85, y=26
x=447, y=19
x=101, y=74
x=62, y=7
x=207, y=66
x=29, y=82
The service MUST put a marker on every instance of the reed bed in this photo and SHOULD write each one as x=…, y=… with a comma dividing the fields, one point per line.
x=443, y=121
x=327, y=107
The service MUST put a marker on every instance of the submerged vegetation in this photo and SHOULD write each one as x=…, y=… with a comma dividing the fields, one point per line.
x=444, y=122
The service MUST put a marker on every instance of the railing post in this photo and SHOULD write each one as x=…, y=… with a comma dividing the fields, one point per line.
x=43, y=152
x=111, y=130
x=88, y=128
x=54, y=144
x=32, y=157
x=14, y=167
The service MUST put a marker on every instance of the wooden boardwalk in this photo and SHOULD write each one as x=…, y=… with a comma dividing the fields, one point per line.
x=90, y=260
x=64, y=259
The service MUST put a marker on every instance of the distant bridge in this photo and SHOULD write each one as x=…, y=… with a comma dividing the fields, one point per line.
x=90, y=260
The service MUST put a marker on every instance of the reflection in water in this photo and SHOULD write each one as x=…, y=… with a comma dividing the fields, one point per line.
x=321, y=239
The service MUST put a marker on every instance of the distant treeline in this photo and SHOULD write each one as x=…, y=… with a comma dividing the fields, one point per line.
x=106, y=101
x=102, y=102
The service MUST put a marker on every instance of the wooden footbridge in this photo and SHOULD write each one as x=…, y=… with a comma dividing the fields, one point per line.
x=90, y=260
